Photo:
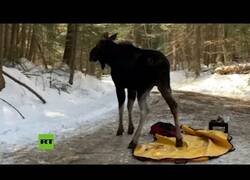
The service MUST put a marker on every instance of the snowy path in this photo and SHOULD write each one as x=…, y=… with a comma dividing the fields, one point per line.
x=103, y=147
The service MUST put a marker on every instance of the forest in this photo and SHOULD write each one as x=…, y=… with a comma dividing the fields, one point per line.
x=187, y=46
x=49, y=85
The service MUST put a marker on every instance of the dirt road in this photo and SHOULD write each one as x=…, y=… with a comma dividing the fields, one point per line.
x=103, y=147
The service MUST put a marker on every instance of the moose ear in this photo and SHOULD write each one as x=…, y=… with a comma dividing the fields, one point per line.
x=113, y=37
x=105, y=35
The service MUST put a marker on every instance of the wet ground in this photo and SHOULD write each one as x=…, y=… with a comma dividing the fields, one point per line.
x=103, y=147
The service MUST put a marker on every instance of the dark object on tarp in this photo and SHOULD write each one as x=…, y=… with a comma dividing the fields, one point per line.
x=164, y=129
x=218, y=123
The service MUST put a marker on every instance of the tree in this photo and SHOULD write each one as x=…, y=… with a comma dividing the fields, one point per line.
x=32, y=48
x=68, y=44
x=6, y=40
x=13, y=48
x=197, y=59
x=2, y=81
x=187, y=46
x=1, y=40
x=73, y=52
x=23, y=40
x=29, y=36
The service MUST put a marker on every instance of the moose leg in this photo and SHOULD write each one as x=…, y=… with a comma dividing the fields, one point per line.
x=167, y=95
x=147, y=108
x=121, y=98
x=131, y=100
x=147, y=97
x=143, y=114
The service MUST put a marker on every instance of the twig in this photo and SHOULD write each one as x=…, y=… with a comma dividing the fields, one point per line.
x=27, y=87
x=13, y=107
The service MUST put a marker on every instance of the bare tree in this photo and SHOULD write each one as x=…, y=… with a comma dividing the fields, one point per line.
x=23, y=40
x=6, y=39
x=197, y=59
x=32, y=49
x=1, y=40
x=12, y=50
x=73, y=53
x=30, y=28
x=2, y=81
x=68, y=44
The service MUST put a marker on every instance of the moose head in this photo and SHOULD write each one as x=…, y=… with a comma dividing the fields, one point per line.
x=101, y=51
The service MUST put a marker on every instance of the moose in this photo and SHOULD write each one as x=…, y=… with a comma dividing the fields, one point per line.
x=137, y=70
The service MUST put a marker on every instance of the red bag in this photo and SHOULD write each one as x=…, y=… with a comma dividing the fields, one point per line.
x=164, y=129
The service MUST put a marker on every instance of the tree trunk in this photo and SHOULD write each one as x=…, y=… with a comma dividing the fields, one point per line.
x=147, y=40
x=206, y=56
x=2, y=81
x=185, y=59
x=12, y=51
x=92, y=68
x=188, y=49
x=29, y=41
x=68, y=44
x=23, y=40
x=1, y=40
x=6, y=40
x=137, y=35
x=73, y=53
x=223, y=37
x=81, y=59
x=32, y=48
x=42, y=54
x=214, y=48
x=197, y=64
x=17, y=45
x=174, y=58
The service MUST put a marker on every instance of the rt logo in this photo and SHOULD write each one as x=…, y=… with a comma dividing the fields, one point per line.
x=46, y=141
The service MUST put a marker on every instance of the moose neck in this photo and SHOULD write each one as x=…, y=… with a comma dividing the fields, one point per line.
x=110, y=54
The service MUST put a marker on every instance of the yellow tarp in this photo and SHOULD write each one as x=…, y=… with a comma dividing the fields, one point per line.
x=199, y=145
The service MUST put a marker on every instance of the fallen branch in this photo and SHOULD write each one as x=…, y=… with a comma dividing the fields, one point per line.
x=27, y=87
x=13, y=107
x=239, y=69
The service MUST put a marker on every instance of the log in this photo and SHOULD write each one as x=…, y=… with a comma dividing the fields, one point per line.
x=24, y=85
x=233, y=69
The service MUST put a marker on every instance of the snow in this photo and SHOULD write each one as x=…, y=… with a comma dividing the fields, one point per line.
x=89, y=98
x=232, y=85
x=86, y=104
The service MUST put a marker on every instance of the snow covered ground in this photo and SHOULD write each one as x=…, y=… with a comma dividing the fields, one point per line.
x=87, y=103
x=233, y=85
x=64, y=112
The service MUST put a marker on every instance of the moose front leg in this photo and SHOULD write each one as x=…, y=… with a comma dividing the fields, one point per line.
x=121, y=99
x=143, y=114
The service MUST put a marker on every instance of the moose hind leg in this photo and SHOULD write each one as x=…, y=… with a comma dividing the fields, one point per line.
x=167, y=95
x=131, y=100
x=121, y=99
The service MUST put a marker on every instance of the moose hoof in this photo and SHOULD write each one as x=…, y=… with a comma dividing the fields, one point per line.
x=130, y=130
x=119, y=132
x=179, y=143
x=132, y=145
